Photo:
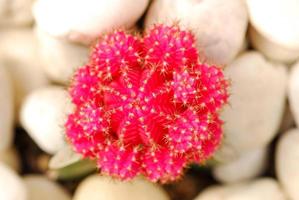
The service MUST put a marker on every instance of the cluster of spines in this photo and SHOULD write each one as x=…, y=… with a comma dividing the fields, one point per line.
x=146, y=105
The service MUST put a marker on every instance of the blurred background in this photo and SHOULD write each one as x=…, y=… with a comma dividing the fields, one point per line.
x=42, y=43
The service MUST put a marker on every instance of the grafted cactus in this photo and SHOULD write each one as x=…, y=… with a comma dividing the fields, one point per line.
x=145, y=105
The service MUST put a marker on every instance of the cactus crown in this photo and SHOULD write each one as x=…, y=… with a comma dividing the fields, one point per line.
x=146, y=105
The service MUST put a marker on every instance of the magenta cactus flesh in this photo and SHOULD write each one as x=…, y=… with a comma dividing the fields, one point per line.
x=146, y=105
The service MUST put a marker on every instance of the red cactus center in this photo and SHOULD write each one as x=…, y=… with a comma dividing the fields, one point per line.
x=140, y=108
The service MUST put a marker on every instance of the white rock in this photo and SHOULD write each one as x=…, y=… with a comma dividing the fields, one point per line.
x=265, y=188
x=220, y=25
x=249, y=165
x=39, y=187
x=18, y=50
x=43, y=115
x=2, y=8
x=11, y=185
x=260, y=189
x=60, y=58
x=287, y=162
x=287, y=121
x=16, y=12
x=84, y=21
x=293, y=92
x=219, y=192
x=6, y=109
x=257, y=101
x=276, y=35
x=11, y=158
x=97, y=187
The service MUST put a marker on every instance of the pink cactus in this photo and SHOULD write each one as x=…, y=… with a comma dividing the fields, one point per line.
x=146, y=105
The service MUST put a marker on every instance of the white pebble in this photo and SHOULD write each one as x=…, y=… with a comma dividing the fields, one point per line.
x=260, y=189
x=40, y=187
x=11, y=158
x=19, y=51
x=257, y=101
x=82, y=21
x=6, y=109
x=2, y=8
x=249, y=165
x=12, y=186
x=60, y=58
x=16, y=12
x=98, y=187
x=275, y=28
x=293, y=92
x=43, y=115
x=287, y=162
x=218, y=192
x=220, y=26
x=288, y=118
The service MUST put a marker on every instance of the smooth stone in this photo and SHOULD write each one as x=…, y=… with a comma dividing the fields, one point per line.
x=16, y=12
x=287, y=121
x=12, y=186
x=60, y=58
x=272, y=49
x=18, y=50
x=218, y=42
x=11, y=158
x=275, y=35
x=260, y=189
x=219, y=192
x=85, y=21
x=40, y=187
x=257, y=102
x=98, y=187
x=249, y=165
x=293, y=92
x=287, y=162
x=6, y=108
x=43, y=115
x=2, y=7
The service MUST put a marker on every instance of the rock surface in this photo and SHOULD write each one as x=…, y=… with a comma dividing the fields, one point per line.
x=249, y=165
x=15, y=12
x=60, y=58
x=276, y=35
x=10, y=157
x=39, y=187
x=84, y=21
x=18, y=50
x=257, y=101
x=6, y=109
x=43, y=116
x=104, y=188
x=293, y=92
x=287, y=162
x=287, y=121
x=11, y=185
x=218, y=42
x=260, y=189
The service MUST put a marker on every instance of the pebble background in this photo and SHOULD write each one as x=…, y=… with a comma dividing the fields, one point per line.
x=42, y=42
